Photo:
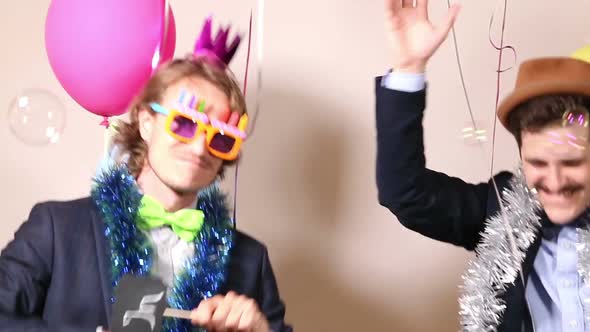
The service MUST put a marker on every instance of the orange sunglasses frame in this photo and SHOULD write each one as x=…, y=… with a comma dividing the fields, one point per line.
x=210, y=130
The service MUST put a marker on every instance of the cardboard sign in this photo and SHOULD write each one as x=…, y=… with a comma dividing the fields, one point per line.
x=140, y=303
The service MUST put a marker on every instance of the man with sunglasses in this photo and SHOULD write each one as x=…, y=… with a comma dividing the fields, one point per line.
x=154, y=210
x=532, y=268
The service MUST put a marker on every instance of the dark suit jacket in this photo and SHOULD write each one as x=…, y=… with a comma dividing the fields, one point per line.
x=55, y=276
x=439, y=206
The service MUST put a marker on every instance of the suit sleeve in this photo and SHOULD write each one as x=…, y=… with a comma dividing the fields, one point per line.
x=25, y=275
x=431, y=203
x=270, y=302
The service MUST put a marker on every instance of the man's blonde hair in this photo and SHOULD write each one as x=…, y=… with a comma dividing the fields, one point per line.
x=127, y=135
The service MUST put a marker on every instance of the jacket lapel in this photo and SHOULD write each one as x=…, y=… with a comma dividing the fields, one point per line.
x=104, y=266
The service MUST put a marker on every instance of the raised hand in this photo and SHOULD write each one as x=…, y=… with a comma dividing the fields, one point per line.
x=413, y=38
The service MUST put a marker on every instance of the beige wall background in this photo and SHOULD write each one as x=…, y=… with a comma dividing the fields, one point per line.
x=307, y=182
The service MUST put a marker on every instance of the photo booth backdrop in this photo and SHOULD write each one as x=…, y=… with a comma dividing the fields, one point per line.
x=307, y=176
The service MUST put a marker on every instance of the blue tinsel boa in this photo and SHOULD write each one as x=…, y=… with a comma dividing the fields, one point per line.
x=117, y=197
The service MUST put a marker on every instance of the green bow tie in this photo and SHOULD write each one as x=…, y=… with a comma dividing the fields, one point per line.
x=186, y=223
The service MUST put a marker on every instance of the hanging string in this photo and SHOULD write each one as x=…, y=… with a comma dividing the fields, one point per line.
x=458, y=58
x=259, y=56
x=244, y=89
x=499, y=71
x=259, y=41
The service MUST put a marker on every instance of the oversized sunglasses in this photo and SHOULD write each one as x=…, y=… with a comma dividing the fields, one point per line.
x=223, y=141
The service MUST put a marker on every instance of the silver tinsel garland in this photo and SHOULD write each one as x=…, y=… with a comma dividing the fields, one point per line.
x=499, y=257
x=583, y=250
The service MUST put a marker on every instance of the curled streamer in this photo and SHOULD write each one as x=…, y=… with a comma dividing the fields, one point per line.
x=501, y=47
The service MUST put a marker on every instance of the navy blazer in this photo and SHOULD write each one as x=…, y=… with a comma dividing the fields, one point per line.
x=434, y=204
x=55, y=276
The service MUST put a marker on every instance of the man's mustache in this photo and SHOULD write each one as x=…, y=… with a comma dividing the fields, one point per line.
x=567, y=188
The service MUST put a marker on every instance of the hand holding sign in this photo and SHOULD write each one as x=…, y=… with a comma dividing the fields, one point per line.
x=141, y=306
x=231, y=312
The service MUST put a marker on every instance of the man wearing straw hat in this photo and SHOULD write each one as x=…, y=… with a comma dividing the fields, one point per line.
x=532, y=268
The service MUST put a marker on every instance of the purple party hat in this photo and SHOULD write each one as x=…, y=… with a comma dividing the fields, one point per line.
x=216, y=49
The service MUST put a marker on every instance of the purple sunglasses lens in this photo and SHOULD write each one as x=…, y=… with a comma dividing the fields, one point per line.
x=222, y=143
x=183, y=127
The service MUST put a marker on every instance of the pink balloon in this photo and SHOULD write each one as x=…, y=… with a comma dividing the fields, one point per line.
x=104, y=51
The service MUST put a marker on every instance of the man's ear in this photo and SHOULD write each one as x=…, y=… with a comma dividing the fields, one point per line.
x=146, y=123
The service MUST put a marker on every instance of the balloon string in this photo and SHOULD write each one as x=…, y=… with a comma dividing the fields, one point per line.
x=237, y=168
x=259, y=56
x=460, y=67
x=499, y=71
x=248, y=55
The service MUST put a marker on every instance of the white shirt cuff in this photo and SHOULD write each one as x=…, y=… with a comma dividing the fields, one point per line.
x=406, y=82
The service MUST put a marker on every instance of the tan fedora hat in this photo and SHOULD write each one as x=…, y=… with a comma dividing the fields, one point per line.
x=546, y=76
